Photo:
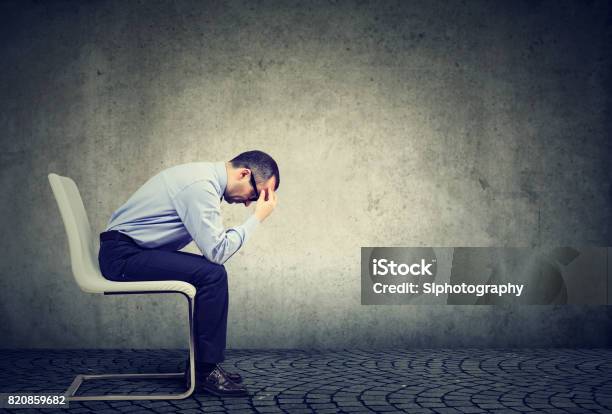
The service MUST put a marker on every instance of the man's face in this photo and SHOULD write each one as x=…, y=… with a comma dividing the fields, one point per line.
x=245, y=190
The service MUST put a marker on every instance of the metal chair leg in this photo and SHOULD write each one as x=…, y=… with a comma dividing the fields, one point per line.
x=79, y=379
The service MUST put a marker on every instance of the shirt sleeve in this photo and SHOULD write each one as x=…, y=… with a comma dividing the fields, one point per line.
x=199, y=208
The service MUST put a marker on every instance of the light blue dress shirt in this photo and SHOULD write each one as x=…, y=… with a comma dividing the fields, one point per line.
x=181, y=204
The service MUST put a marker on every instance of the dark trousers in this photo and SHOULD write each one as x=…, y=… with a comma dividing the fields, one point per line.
x=121, y=259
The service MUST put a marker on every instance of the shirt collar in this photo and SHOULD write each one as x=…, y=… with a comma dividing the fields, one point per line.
x=221, y=175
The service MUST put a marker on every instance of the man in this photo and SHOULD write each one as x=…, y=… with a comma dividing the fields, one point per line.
x=176, y=206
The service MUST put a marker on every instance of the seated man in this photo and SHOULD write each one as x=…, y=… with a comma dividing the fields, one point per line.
x=176, y=206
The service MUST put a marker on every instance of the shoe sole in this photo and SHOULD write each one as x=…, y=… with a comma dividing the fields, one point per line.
x=219, y=394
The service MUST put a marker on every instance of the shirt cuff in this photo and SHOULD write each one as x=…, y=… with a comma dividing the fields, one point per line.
x=249, y=226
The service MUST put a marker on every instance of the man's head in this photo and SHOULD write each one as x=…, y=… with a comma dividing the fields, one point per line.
x=248, y=175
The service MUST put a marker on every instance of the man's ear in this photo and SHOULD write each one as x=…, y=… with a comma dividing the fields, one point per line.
x=243, y=173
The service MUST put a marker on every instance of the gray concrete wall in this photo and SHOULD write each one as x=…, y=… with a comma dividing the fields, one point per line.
x=395, y=124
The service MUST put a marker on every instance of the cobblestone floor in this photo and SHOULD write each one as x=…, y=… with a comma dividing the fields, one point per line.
x=349, y=381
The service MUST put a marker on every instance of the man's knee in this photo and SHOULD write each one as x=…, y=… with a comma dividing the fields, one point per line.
x=211, y=274
x=219, y=273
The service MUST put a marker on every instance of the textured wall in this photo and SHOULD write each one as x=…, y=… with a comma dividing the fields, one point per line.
x=410, y=124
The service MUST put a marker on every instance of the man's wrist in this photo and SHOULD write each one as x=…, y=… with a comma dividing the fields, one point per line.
x=254, y=220
x=250, y=225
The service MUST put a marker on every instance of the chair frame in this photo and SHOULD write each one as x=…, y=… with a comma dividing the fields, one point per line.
x=78, y=230
x=79, y=379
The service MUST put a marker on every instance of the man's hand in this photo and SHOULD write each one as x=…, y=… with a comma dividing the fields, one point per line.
x=265, y=204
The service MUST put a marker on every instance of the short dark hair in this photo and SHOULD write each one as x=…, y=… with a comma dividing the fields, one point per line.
x=262, y=166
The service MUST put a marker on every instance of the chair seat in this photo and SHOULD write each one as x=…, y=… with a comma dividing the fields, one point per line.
x=83, y=255
x=101, y=285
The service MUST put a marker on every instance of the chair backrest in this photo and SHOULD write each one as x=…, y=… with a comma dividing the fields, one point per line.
x=83, y=257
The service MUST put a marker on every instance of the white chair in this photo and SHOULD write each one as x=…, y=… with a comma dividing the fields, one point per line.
x=86, y=272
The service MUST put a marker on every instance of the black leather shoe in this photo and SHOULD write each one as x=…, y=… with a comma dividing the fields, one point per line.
x=216, y=383
x=233, y=376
